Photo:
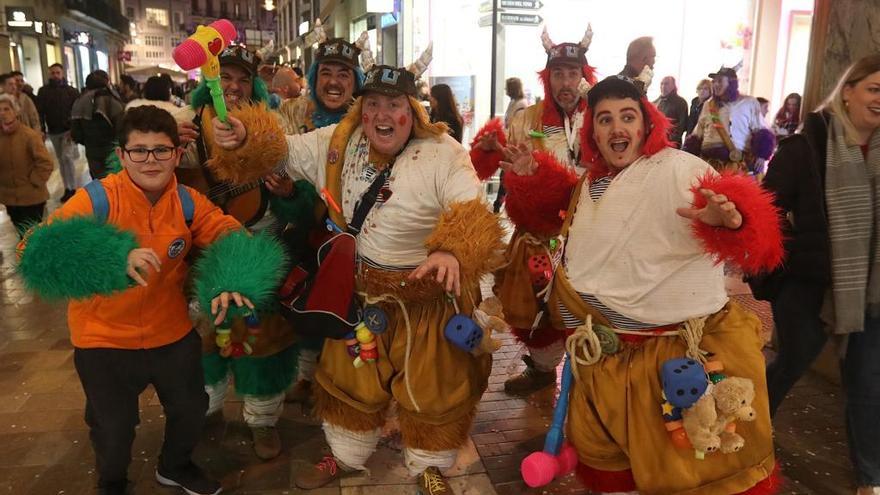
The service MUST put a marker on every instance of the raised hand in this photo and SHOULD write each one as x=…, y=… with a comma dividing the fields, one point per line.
x=718, y=212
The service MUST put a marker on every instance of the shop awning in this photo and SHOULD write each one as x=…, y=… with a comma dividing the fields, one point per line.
x=141, y=73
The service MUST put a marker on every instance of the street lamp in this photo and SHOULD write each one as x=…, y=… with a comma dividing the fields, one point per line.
x=269, y=5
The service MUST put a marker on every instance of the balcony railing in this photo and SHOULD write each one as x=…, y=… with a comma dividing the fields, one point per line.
x=103, y=11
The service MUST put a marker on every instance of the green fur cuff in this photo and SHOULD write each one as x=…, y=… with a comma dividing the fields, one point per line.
x=298, y=210
x=76, y=258
x=250, y=265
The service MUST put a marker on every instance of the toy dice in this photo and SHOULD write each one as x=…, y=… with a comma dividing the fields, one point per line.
x=463, y=332
x=684, y=381
x=540, y=270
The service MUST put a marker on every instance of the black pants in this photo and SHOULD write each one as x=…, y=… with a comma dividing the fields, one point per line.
x=24, y=217
x=113, y=379
x=800, y=336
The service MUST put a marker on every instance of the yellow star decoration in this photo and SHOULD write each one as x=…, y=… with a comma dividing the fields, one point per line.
x=667, y=408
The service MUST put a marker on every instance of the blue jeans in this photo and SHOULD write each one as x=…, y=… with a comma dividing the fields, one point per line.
x=801, y=337
x=861, y=379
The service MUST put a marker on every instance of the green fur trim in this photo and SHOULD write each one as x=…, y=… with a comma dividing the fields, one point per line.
x=267, y=375
x=76, y=258
x=299, y=210
x=238, y=262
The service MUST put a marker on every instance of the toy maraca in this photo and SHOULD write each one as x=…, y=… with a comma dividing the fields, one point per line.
x=202, y=49
x=558, y=457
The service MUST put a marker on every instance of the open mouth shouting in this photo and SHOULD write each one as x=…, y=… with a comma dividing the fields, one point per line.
x=619, y=144
x=385, y=131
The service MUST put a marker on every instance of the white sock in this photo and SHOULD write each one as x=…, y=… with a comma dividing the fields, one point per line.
x=307, y=363
x=418, y=460
x=217, y=395
x=548, y=358
x=262, y=410
x=352, y=448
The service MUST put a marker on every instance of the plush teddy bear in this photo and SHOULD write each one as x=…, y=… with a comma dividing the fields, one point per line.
x=709, y=423
x=489, y=315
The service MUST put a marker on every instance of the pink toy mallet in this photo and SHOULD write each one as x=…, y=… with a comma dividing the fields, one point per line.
x=558, y=457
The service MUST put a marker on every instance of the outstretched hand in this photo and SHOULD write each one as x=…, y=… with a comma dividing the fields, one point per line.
x=447, y=267
x=220, y=305
x=230, y=135
x=718, y=212
x=518, y=159
x=489, y=142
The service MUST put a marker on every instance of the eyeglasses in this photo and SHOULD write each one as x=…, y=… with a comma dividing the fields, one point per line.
x=140, y=155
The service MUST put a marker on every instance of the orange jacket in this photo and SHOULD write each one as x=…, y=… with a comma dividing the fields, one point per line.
x=155, y=315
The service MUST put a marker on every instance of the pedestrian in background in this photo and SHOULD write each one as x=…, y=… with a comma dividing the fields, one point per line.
x=445, y=109
x=54, y=102
x=94, y=119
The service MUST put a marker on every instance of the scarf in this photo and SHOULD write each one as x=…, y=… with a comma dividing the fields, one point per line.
x=852, y=196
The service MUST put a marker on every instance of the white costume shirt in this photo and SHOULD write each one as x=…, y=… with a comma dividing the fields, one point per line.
x=635, y=254
x=742, y=118
x=428, y=176
x=556, y=140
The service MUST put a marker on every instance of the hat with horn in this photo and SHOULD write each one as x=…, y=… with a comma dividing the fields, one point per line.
x=394, y=81
x=567, y=53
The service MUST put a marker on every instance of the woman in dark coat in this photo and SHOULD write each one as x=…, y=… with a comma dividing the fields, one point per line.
x=824, y=181
x=445, y=109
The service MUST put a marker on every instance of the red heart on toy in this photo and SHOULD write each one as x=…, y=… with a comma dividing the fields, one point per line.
x=215, y=46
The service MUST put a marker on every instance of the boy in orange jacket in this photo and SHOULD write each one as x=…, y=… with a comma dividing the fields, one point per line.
x=129, y=235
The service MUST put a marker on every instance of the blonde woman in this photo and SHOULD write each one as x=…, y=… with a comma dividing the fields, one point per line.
x=825, y=182
x=704, y=91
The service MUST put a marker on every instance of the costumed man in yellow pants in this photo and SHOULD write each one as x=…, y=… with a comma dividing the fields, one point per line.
x=429, y=233
x=641, y=284
x=552, y=125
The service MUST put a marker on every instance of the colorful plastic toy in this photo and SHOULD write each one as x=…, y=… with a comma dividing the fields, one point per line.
x=202, y=49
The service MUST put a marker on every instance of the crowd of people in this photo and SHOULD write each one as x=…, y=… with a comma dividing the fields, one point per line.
x=626, y=215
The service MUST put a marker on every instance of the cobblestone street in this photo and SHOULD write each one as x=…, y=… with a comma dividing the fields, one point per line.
x=44, y=444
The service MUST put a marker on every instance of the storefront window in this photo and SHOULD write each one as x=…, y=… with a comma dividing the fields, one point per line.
x=70, y=67
x=85, y=62
x=103, y=61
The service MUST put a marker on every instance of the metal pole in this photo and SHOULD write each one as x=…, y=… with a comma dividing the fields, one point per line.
x=494, y=58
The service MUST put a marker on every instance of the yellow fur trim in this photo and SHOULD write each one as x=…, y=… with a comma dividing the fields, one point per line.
x=472, y=233
x=261, y=153
x=418, y=434
x=336, y=412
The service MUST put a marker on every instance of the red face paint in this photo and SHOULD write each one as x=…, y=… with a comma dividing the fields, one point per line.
x=366, y=119
x=402, y=120
x=639, y=133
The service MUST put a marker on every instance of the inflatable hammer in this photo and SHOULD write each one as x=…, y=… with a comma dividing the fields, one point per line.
x=201, y=49
x=558, y=457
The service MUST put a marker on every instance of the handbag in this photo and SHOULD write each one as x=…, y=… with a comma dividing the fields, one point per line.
x=323, y=303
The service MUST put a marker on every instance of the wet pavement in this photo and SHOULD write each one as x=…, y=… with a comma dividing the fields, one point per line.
x=44, y=444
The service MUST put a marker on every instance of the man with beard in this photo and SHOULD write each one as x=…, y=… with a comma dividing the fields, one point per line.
x=55, y=100
x=334, y=77
x=552, y=126
x=263, y=375
x=730, y=133
x=13, y=83
x=424, y=240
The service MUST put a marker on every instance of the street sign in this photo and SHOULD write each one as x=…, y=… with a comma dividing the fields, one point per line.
x=520, y=4
x=520, y=19
x=485, y=21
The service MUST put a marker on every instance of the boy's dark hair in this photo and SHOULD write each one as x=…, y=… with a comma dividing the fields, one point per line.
x=148, y=118
x=157, y=88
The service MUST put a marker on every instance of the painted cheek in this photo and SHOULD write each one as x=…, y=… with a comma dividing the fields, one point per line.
x=639, y=133
x=402, y=120
x=366, y=119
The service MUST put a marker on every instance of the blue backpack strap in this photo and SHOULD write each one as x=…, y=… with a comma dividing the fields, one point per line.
x=100, y=204
x=186, y=202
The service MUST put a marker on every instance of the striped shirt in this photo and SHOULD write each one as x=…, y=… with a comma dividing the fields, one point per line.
x=597, y=189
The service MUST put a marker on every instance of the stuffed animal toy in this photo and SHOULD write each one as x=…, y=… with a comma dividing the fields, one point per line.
x=489, y=315
x=710, y=422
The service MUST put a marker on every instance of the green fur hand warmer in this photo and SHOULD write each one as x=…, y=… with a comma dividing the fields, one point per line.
x=298, y=210
x=76, y=258
x=250, y=265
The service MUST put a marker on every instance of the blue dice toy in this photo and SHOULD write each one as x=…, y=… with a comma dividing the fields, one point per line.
x=375, y=319
x=684, y=381
x=463, y=332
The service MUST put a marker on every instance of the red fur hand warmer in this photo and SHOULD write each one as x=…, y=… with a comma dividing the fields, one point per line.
x=486, y=162
x=757, y=245
x=534, y=202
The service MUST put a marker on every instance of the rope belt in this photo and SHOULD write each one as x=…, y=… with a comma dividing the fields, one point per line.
x=590, y=343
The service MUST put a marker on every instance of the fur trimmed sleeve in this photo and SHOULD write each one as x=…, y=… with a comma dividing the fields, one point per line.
x=757, y=245
x=471, y=232
x=534, y=202
x=260, y=154
x=486, y=162
x=238, y=262
x=100, y=250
